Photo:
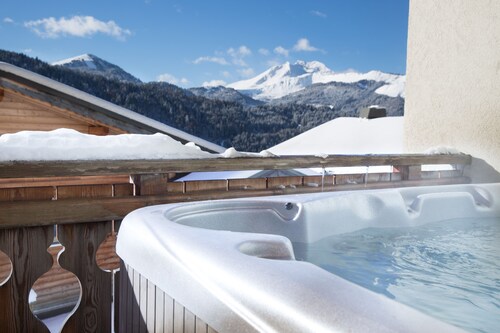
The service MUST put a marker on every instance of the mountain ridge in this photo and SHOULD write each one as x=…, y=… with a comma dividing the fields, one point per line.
x=287, y=78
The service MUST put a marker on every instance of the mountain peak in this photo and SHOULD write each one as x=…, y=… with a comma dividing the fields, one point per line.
x=90, y=63
x=287, y=78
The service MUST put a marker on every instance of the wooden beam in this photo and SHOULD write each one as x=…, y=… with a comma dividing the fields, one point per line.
x=38, y=213
x=63, y=181
x=22, y=169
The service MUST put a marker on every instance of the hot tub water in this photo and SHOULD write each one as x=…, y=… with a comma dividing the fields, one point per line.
x=449, y=269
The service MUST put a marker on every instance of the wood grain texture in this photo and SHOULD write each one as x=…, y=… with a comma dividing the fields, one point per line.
x=5, y=268
x=106, y=256
x=69, y=106
x=117, y=299
x=153, y=308
x=27, y=249
x=81, y=242
x=27, y=193
x=20, y=169
x=62, y=181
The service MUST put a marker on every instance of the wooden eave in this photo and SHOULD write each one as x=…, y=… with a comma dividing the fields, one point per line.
x=79, y=107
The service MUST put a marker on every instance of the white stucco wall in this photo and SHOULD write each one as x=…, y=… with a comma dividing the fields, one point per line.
x=453, y=77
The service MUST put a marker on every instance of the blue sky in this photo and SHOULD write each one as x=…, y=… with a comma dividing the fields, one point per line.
x=193, y=42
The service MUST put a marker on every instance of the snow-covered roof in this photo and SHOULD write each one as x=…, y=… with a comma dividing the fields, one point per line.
x=26, y=77
x=347, y=136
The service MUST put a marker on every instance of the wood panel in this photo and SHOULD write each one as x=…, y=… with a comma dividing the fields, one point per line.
x=61, y=181
x=327, y=180
x=117, y=299
x=35, y=213
x=27, y=193
x=123, y=190
x=16, y=127
x=28, y=101
x=5, y=268
x=378, y=177
x=248, y=184
x=349, y=179
x=84, y=191
x=206, y=185
x=27, y=249
x=152, y=310
x=151, y=184
x=70, y=106
x=22, y=114
x=282, y=182
x=81, y=242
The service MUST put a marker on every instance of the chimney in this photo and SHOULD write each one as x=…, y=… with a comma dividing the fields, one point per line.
x=372, y=112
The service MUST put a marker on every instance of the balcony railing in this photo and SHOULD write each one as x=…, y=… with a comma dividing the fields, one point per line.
x=78, y=205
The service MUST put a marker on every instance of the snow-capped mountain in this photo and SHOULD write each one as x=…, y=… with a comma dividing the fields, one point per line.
x=282, y=80
x=92, y=64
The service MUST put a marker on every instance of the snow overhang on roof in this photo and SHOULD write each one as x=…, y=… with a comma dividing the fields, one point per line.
x=109, y=112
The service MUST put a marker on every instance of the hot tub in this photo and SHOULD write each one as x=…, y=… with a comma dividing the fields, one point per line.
x=230, y=265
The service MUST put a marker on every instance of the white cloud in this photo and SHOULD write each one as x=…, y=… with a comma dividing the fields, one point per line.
x=8, y=20
x=26, y=51
x=264, y=51
x=239, y=62
x=217, y=60
x=214, y=83
x=242, y=51
x=246, y=72
x=226, y=74
x=318, y=13
x=304, y=45
x=281, y=50
x=238, y=54
x=79, y=26
x=166, y=77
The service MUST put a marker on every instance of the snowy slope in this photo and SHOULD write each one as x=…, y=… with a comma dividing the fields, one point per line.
x=347, y=136
x=281, y=80
x=90, y=63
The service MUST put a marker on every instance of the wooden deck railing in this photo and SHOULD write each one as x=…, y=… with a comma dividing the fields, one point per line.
x=82, y=202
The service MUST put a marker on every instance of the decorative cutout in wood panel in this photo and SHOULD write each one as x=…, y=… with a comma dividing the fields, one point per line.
x=5, y=268
x=55, y=295
x=81, y=242
x=106, y=256
x=27, y=248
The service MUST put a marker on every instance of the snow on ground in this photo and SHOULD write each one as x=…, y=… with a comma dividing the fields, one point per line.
x=84, y=57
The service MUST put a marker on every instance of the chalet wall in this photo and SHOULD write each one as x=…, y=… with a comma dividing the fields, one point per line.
x=19, y=113
x=453, y=77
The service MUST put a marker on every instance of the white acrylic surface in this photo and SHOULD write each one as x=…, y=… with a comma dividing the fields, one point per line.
x=231, y=261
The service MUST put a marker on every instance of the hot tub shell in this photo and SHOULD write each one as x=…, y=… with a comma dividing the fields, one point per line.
x=229, y=265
